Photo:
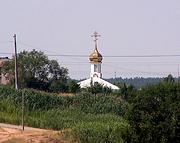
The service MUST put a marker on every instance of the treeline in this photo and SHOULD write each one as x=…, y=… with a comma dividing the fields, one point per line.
x=138, y=82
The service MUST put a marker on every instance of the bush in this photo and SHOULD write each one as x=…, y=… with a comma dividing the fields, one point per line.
x=103, y=129
x=98, y=88
x=154, y=114
x=73, y=87
x=58, y=86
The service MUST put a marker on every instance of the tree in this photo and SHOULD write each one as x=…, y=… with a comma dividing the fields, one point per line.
x=73, y=87
x=169, y=78
x=154, y=114
x=98, y=88
x=35, y=70
x=58, y=86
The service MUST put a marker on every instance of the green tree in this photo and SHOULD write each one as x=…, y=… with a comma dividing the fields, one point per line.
x=154, y=114
x=35, y=70
x=98, y=88
x=58, y=86
x=169, y=78
x=73, y=87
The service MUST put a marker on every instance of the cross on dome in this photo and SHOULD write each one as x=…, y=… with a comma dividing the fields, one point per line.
x=95, y=36
x=95, y=57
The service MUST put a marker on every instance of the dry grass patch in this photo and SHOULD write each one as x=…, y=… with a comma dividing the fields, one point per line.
x=66, y=94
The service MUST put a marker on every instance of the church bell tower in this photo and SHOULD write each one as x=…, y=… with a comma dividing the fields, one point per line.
x=96, y=74
x=95, y=59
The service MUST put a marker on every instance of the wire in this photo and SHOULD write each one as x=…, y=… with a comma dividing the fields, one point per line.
x=133, y=70
x=110, y=56
x=106, y=56
x=142, y=56
x=6, y=53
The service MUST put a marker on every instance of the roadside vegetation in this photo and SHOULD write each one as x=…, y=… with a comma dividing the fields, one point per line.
x=51, y=111
x=148, y=115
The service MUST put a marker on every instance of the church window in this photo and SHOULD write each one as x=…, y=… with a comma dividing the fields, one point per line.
x=95, y=75
x=95, y=68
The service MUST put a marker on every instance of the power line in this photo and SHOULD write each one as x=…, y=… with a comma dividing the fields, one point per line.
x=108, y=56
x=141, y=56
x=6, y=53
x=133, y=70
x=116, y=56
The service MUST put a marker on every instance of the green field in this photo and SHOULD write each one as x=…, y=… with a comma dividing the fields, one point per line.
x=90, y=118
x=133, y=116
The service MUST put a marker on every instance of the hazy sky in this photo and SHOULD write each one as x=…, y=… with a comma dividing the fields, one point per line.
x=127, y=27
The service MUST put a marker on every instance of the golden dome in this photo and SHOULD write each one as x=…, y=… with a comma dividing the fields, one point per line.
x=95, y=56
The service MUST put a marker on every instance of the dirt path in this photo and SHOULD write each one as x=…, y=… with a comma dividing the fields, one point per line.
x=13, y=134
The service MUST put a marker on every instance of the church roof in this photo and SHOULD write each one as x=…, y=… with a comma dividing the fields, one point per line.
x=87, y=83
x=3, y=60
x=95, y=56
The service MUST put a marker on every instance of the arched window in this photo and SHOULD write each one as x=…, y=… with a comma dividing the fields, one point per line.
x=95, y=68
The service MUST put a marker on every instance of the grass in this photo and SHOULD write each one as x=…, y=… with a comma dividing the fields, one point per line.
x=105, y=129
x=90, y=118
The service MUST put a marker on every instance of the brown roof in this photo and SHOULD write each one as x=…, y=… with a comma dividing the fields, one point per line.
x=2, y=60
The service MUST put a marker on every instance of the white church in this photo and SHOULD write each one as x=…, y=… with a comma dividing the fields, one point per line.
x=95, y=74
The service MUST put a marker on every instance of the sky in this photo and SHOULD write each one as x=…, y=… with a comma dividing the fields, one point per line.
x=127, y=27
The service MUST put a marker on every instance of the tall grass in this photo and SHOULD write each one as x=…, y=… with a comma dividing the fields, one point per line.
x=103, y=128
x=91, y=118
x=95, y=104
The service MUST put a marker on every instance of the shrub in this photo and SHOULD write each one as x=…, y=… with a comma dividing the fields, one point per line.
x=154, y=114
x=103, y=129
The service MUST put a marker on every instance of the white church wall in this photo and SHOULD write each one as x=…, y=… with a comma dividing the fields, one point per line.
x=87, y=83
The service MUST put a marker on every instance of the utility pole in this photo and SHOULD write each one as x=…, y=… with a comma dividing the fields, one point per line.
x=178, y=74
x=16, y=80
x=115, y=74
x=23, y=110
x=16, y=66
x=115, y=77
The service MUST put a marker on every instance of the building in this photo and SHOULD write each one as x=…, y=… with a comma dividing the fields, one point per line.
x=96, y=74
x=4, y=77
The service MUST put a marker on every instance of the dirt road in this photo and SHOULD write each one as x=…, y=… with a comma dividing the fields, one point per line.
x=14, y=134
